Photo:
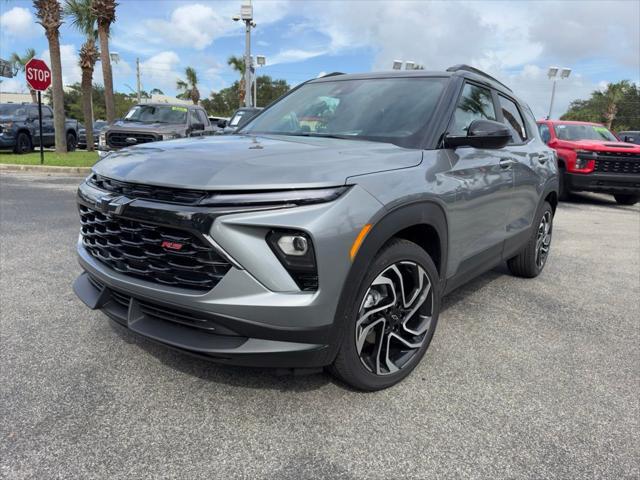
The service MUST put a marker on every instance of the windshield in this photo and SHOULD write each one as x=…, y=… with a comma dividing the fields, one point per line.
x=13, y=109
x=584, y=132
x=384, y=109
x=157, y=114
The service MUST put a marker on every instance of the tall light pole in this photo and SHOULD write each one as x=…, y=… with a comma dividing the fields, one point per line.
x=553, y=74
x=246, y=15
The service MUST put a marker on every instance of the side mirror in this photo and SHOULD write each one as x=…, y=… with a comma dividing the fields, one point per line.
x=628, y=139
x=197, y=126
x=222, y=123
x=481, y=134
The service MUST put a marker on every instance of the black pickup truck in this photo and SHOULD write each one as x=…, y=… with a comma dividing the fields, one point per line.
x=20, y=132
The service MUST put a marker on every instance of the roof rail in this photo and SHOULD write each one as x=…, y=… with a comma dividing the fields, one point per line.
x=332, y=74
x=468, y=68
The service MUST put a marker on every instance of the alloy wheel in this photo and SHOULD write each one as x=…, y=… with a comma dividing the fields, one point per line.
x=543, y=239
x=394, y=318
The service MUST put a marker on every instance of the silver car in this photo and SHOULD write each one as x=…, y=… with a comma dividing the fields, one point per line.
x=326, y=232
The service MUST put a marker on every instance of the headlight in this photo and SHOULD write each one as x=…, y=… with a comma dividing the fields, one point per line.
x=587, y=154
x=278, y=197
x=170, y=136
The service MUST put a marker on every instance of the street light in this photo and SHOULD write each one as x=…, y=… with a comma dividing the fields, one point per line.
x=246, y=15
x=114, y=56
x=552, y=73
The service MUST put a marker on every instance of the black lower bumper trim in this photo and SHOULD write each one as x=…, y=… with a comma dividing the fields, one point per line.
x=216, y=342
x=613, y=183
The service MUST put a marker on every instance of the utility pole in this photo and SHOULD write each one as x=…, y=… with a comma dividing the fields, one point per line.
x=138, y=79
x=246, y=15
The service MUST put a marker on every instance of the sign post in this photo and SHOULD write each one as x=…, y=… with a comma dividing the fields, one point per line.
x=39, y=78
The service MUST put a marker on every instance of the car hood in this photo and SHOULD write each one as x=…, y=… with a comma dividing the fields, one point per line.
x=241, y=162
x=146, y=127
x=603, y=146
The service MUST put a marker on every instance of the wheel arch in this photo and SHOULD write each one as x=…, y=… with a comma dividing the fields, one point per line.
x=422, y=222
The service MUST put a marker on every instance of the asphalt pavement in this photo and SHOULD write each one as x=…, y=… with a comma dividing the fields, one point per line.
x=524, y=378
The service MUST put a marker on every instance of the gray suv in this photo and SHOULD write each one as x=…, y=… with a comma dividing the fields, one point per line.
x=325, y=233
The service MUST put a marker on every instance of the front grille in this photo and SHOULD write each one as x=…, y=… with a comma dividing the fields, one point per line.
x=143, y=250
x=161, y=194
x=618, y=162
x=119, y=139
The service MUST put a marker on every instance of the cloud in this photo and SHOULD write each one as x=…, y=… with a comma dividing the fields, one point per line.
x=13, y=85
x=160, y=71
x=19, y=23
x=295, y=55
x=71, y=72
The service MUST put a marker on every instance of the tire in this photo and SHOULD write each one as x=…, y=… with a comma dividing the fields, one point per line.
x=71, y=142
x=378, y=332
x=533, y=257
x=23, y=143
x=563, y=193
x=626, y=199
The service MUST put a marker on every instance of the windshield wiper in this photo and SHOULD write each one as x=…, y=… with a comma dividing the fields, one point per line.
x=314, y=134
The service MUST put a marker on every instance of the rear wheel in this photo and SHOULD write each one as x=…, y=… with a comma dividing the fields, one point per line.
x=23, y=143
x=626, y=199
x=532, y=259
x=72, y=142
x=391, y=320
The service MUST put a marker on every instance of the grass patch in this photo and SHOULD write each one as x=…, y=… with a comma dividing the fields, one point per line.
x=71, y=159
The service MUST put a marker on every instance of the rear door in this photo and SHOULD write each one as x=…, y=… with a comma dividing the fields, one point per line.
x=529, y=164
x=479, y=217
x=48, y=130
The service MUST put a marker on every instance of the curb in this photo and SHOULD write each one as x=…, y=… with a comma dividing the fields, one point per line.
x=45, y=169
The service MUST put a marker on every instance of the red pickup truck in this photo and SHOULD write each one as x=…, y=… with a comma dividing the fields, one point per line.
x=592, y=159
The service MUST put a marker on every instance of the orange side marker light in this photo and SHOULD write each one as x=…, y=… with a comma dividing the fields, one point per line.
x=358, y=241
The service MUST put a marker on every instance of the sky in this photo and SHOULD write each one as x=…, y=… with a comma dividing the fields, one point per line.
x=515, y=41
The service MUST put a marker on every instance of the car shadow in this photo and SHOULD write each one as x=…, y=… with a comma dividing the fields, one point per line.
x=583, y=198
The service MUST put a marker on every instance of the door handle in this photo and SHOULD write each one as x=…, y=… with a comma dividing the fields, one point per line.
x=542, y=159
x=506, y=162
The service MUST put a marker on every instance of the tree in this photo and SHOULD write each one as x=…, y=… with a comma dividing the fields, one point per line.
x=20, y=62
x=105, y=13
x=49, y=14
x=84, y=20
x=156, y=91
x=190, y=87
x=238, y=65
x=74, y=98
x=225, y=102
x=617, y=107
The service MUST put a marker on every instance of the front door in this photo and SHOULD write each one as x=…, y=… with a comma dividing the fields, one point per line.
x=478, y=218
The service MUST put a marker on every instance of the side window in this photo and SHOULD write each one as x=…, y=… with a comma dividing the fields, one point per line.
x=46, y=112
x=513, y=119
x=544, y=132
x=33, y=112
x=476, y=103
x=203, y=118
x=193, y=117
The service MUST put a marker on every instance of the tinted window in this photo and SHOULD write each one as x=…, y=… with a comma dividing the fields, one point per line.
x=193, y=117
x=46, y=112
x=378, y=109
x=13, y=109
x=544, y=132
x=157, y=114
x=33, y=112
x=474, y=104
x=513, y=119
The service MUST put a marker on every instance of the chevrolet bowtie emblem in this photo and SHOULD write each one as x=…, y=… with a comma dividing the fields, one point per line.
x=112, y=204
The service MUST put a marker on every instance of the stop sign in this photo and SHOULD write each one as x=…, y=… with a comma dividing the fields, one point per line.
x=38, y=74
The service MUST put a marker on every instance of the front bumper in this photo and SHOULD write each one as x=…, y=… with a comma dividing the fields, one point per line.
x=258, y=315
x=7, y=141
x=612, y=183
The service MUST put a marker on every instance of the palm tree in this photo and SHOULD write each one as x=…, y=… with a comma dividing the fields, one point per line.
x=49, y=14
x=612, y=97
x=84, y=20
x=156, y=91
x=190, y=87
x=19, y=63
x=237, y=63
x=105, y=13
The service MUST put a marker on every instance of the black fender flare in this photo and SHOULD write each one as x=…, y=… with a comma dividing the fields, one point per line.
x=390, y=223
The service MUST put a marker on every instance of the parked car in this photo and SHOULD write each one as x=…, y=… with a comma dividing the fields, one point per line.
x=155, y=122
x=219, y=122
x=98, y=125
x=300, y=247
x=20, y=130
x=630, y=136
x=239, y=118
x=592, y=159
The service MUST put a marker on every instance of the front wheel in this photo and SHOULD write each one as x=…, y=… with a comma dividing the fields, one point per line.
x=391, y=320
x=23, y=143
x=533, y=257
x=626, y=199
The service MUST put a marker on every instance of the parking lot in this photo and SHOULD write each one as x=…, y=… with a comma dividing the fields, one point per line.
x=524, y=378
